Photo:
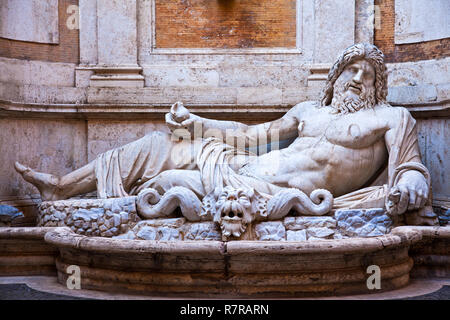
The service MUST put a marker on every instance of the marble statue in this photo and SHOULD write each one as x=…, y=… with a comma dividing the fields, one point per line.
x=349, y=150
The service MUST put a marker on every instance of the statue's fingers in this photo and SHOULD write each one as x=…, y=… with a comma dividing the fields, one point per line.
x=171, y=123
x=187, y=122
x=172, y=127
x=423, y=202
x=425, y=194
x=418, y=202
x=404, y=199
x=412, y=200
x=423, y=198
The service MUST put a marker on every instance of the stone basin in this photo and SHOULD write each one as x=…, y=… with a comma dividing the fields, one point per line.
x=235, y=268
x=294, y=257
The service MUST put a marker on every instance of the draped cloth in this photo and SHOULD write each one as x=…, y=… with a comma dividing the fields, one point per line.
x=128, y=169
x=215, y=164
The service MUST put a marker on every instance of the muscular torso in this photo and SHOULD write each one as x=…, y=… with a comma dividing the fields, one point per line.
x=337, y=152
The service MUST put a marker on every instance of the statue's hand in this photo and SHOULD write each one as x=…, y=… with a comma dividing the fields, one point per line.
x=413, y=190
x=179, y=117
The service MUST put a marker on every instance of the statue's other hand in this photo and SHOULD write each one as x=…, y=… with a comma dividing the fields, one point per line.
x=171, y=123
x=178, y=117
x=179, y=112
x=413, y=191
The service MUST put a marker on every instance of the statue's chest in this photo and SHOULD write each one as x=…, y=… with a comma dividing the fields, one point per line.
x=353, y=131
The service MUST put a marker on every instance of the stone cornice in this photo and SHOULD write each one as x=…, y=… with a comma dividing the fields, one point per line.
x=436, y=109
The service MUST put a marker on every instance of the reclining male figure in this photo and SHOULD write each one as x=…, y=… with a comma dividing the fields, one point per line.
x=340, y=144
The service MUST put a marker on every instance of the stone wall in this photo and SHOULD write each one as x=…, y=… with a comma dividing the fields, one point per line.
x=65, y=49
x=384, y=37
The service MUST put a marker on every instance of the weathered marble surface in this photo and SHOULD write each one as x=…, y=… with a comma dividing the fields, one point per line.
x=173, y=229
x=363, y=222
x=91, y=217
x=29, y=20
x=270, y=231
x=119, y=218
x=239, y=268
x=420, y=21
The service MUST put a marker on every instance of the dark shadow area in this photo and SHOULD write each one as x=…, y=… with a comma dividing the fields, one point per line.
x=441, y=294
x=20, y=291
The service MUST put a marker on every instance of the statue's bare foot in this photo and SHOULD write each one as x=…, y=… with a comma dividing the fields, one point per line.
x=47, y=184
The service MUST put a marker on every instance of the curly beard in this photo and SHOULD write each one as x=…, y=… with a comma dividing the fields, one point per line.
x=344, y=104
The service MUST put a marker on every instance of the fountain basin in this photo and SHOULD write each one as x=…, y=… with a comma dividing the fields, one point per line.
x=235, y=268
x=23, y=252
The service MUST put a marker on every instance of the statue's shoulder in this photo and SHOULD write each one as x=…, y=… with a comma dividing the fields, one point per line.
x=393, y=114
x=392, y=110
x=305, y=106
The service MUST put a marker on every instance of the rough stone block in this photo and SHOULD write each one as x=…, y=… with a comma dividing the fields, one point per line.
x=323, y=233
x=270, y=231
x=300, y=223
x=338, y=236
x=116, y=220
x=78, y=223
x=129, y=235
x=315, y=239
x=170, y=223
x=124, y=217
x=167, y=234
x=202, y=231
x=109, y=223
x=147, y=233
x=82, y=214
x=363, y=222
x=299, y=235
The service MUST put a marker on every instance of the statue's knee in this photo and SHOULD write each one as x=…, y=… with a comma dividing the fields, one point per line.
x=167, y=177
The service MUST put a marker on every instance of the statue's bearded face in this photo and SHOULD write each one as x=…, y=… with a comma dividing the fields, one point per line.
x=234, y=211
x=354, y=89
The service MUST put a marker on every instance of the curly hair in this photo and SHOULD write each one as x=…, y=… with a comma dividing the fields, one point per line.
x=365, y=51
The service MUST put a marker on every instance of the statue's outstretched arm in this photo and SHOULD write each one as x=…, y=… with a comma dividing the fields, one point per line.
x=248, y=135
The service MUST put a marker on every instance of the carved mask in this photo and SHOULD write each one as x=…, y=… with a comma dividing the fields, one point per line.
x=234, y=211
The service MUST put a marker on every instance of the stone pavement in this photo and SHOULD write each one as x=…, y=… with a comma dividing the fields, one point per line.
x=46, y=288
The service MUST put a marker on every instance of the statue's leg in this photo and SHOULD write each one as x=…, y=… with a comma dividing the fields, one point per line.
x=115, y=172
x=52, y=187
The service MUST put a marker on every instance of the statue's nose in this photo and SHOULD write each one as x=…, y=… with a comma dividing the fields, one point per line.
x=231, y=197
x=358, y=76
